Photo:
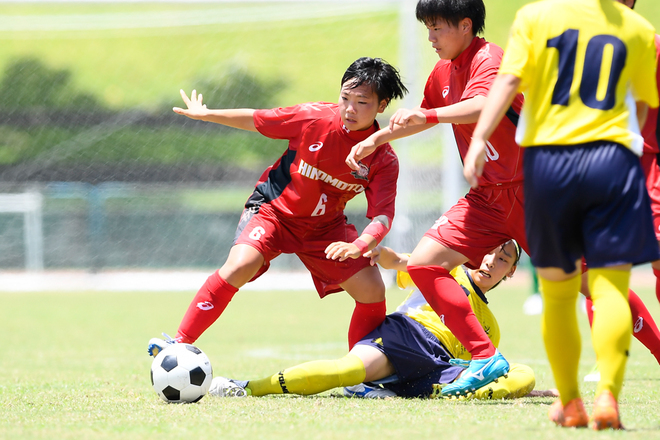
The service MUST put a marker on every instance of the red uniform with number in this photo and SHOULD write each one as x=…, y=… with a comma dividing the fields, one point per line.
x=651, y=152
x=493, y=213
x=298, y=204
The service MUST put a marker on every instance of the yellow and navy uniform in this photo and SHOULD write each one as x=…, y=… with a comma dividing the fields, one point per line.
x=416, y=308
x=582, y=72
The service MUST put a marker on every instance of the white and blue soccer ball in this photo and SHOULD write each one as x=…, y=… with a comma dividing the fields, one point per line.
x=181, y=373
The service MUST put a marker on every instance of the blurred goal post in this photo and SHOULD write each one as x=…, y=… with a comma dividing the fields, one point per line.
x=30, y=205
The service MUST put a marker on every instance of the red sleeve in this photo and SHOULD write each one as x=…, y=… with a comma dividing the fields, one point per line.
x=429, y=89
x=381, y=192
x=484, y=68
x=289, y=122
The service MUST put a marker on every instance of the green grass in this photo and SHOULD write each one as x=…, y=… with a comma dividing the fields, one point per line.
x=74, y=365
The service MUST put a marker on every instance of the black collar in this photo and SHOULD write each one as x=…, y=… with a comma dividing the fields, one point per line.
x=476, y=288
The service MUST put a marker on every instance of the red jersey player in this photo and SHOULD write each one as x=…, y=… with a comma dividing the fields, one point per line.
x=298, y=204
x=486, y=217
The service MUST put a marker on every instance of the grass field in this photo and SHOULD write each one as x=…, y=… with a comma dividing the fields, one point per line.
x=74, y=366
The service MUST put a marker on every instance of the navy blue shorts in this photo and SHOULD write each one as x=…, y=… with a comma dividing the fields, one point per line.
x=587, y=200
x=418, y=357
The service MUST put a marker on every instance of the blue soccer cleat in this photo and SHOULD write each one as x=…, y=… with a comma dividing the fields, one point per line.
x=157, y=345
x=480, y=372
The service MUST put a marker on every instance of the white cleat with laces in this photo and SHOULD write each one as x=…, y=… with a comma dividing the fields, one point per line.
x=223, y=387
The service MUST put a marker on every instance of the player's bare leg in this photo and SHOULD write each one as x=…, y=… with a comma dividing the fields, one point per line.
x=368, y=290
x=242, y=264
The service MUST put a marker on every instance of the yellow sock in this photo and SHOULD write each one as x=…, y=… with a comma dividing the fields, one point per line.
x=559, y=326
x=312, y=377
x=519, y=382
x=612, y=325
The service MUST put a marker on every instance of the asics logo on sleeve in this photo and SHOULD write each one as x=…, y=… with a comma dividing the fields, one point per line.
x=445, y=91
x=316, y=147
x=639, y=324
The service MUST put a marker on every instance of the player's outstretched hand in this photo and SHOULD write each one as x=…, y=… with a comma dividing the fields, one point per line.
x=340, y=250
x=196, y=109
x=473, y=164
x=358, y=152
x=405, y=117
x=387, y=258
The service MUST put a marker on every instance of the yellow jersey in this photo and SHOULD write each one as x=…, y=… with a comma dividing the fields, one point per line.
x=582, y=65
x=416, y=307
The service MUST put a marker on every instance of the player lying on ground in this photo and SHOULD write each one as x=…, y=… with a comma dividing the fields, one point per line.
x=298, y=204
x=411, y=353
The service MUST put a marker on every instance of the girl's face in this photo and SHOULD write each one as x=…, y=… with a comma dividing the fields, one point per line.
x=495, y=266
x=359, y=106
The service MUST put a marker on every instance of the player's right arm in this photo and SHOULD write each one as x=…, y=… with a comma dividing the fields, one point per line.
x=407, y=122
x=241, y=118
x=388, y=258
x=382, y=136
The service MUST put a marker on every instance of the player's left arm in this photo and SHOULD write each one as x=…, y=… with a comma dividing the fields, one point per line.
x=502, y=93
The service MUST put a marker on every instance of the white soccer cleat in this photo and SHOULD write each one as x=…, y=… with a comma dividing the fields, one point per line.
x=363, y=391
x=223, y=387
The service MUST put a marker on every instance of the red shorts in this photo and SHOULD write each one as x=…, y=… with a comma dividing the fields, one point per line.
x=482, y=220
x=272, y=235
x=652, y=172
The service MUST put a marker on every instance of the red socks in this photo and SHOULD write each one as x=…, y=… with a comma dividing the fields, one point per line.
x=206, y=307
x=449, y=301
x=365, y=319
x=644, y=328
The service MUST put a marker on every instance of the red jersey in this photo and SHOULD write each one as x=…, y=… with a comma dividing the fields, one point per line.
x=469, y=75
x=311, y=180
x=650, y=129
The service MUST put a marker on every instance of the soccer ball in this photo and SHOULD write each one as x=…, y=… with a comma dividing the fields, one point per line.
x=181, y=373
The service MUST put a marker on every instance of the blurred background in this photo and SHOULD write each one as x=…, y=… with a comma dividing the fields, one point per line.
x=98, y=174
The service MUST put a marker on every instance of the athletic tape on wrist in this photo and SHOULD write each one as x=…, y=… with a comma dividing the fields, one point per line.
x=362, y=245
x=431, y=116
